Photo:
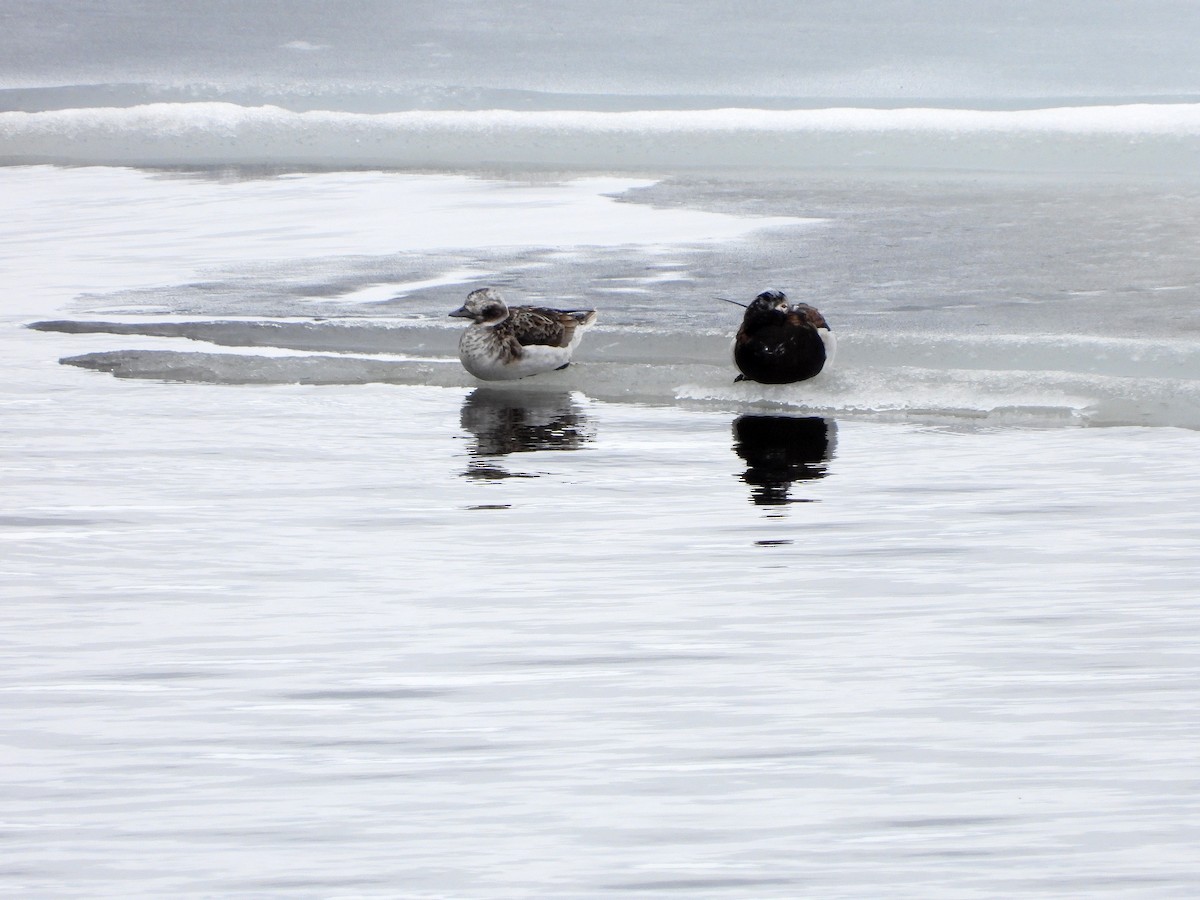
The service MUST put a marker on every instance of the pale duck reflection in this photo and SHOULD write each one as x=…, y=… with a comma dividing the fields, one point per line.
x=505, y=421
x=781, y=450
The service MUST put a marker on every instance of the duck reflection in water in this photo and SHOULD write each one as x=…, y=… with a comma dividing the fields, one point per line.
x=502, y=422
x=780, y=450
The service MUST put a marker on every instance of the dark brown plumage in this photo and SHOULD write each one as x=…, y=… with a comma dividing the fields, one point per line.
x=780, y=344
x=541, y=325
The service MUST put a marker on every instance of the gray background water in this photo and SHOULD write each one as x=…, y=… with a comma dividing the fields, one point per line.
x=466, y=52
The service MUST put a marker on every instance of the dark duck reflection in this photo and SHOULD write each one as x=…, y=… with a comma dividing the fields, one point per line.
x=779, y=343
x=502, y=422
x=781, y=450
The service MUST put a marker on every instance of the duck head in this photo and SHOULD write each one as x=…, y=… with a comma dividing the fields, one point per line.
x=766, y=306
x=483, y=307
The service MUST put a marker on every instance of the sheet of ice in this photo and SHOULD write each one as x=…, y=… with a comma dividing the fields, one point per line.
x=615, y=369
x=122, y=228
x=382, y=293
x=1143, y=138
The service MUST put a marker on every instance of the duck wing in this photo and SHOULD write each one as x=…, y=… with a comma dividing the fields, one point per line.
x=545, y=326
x=803, y=314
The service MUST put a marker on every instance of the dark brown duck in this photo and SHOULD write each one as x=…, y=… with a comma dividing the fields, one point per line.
x=780, y=343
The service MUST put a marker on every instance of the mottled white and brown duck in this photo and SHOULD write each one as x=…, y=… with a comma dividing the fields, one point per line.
x=503, y=343
x=779, y=342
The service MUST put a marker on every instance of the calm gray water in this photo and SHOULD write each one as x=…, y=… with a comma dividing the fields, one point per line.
x=600, y=52
x=372, y=641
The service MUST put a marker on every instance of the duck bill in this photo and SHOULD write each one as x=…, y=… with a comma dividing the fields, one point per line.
x=460, y=313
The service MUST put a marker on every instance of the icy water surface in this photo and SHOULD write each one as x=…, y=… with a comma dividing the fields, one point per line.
x=987, y=299
x=293, y=607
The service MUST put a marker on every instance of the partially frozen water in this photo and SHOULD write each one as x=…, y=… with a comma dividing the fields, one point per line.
x=293, y=607
x=627, y=630
x=981, y=299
